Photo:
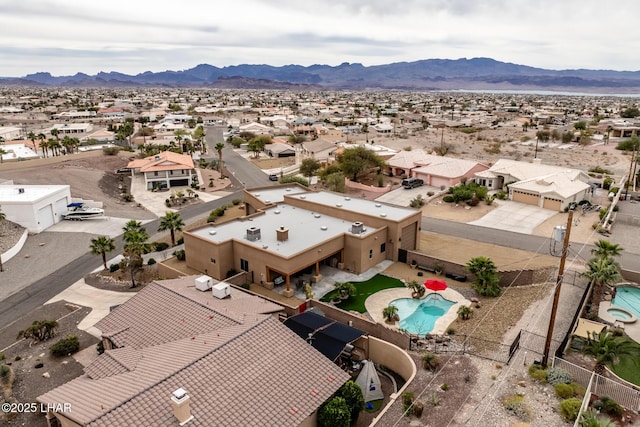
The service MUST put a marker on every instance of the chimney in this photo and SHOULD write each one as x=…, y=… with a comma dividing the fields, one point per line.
x=282, y=234
x=181, y=404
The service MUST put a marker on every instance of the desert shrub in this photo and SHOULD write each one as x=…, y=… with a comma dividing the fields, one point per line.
x=2, y=356
x=127, y=197
x=418, y=408
x=563, y=391
x=39, y=330
x=111, y=151
x=430, y=361
x=65, y=346
x=445, y=387
x=418, y=202
x=591, y=418
x=517, y=406
x=578, y=390
x=352, y=394
x=180, y=241
x=430, y=193
x=447, y=199
x=335, y=412
x=489, y=200
x=451, y=331
x=434, y=399
x=6, y=375
x=559, y=376
x=180, y=254
x=502, y=195
x=608, y=406
x=151, y=261
x=537, y=373
x=569, y=408
x=300, y=180
x=114, y=267
x=407, y=401
x=160, y=246
x=231, y=272
x=236, y=202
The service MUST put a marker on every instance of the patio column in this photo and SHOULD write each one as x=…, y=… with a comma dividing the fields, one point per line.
x=288, y=292
x=318, y=276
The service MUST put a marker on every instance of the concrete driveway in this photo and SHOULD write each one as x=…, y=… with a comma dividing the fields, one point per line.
x=403, y=196
x=104, y=226
x=514, y=216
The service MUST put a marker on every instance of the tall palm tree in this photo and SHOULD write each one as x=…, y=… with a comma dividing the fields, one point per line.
x=173, y=222
x=32, y=136
x=135, y=237
x=101, y=246
x=606, y=249
x=219, y=147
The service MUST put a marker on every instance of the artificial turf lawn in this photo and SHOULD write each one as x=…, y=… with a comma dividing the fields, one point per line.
x=628, y=367
x=363, y=290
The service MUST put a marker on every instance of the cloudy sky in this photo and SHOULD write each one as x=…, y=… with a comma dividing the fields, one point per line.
x=69, y=36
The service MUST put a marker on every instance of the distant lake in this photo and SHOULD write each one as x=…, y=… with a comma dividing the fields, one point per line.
x=547, y=92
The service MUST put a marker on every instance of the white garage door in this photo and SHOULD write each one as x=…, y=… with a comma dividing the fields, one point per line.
x=45, y=217
x=61, y=207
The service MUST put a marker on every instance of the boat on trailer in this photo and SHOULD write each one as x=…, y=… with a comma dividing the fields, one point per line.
x=77, y=211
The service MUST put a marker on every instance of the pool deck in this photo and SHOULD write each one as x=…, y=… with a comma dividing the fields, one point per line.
x=632, y=326
x=378, y=301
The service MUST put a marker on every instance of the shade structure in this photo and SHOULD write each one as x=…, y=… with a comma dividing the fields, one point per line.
x=435, y=284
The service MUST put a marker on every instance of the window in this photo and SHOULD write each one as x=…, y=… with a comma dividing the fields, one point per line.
x=155, y=173
x=370, y=253
x=213, y=261
x=244, y=265
x=383, y=247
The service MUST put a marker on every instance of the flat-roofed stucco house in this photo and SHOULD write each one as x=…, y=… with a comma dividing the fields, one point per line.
x=289, y=230
x=164, y=170
x=175, y=355
x=545, y=186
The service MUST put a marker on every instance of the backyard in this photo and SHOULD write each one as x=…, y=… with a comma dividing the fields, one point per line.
x=363, y=290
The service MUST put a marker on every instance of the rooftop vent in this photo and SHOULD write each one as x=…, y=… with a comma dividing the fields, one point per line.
x=20, y=190
x=253, y=234
x=303, y=197
x=323, y=227
x=357, y=227
x=277, y=212
x=212, y=232
x=383, y=215
x=347, y=198
x=282, y=234
x=339, y=205
x=378, y=205
x=316, y=215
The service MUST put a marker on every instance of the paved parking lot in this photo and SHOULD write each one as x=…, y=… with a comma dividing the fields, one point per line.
x=514, y=216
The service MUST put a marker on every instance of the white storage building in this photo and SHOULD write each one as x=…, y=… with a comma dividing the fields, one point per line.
x=35, y=207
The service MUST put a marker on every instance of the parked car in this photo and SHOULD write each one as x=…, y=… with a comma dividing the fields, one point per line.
x=412, y=182
x=273, y=177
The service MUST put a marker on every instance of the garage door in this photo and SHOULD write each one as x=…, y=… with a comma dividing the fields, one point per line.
x=61, y=207
x=528, y=198
x=552, y=204
x=45, y=217
x=408, y=236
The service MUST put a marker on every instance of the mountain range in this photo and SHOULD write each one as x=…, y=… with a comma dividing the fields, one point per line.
x=429, y=74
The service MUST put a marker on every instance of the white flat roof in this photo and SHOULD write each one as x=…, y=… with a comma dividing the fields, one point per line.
x=32, y=193
x=355, y=204
x=306, y=229
x=275, y=194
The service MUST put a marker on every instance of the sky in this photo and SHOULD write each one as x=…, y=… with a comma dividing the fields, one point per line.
x=64, y=37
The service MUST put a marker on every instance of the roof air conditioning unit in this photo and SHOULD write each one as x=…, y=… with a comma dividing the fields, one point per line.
x=204, y=283
x=357, y=227
x=221, y=290
x=253, y=234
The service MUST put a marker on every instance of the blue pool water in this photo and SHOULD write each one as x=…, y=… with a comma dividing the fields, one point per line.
x=627, y=297
x=419, y=316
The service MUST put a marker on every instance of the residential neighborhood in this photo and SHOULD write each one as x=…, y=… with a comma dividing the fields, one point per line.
x=196, y=256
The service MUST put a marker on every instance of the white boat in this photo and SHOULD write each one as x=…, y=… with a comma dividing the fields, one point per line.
x=78, y=211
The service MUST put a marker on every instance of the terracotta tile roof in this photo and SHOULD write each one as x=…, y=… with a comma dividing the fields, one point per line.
x=238, y=368
x=240, y=302
x=167, y=160
x=159, y=315
x=232, y=386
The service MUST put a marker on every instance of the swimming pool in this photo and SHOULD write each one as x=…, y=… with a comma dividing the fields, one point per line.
x=418, y=316
x=628, y=297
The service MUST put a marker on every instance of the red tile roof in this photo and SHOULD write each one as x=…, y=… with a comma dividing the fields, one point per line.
x=238, y=369
x=167, y=160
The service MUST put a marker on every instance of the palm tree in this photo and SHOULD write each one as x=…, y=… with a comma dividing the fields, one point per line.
x=219, y=147
x=607, y=348
x=173, y=222
x=32, y=136
x=135, y=237
x=602, y=271
x=390, y=313
x=101, y=246
x=606, y=249
x=487, y=279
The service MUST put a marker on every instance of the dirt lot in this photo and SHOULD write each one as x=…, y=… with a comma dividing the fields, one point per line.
x=91, y=176
x=30, y=362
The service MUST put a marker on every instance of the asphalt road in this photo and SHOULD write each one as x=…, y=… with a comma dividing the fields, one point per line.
x=39, y=292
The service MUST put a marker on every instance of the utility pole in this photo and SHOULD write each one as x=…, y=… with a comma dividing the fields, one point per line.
x=556, y=295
